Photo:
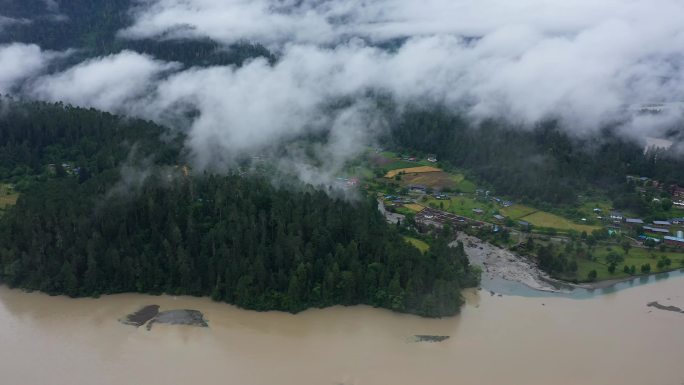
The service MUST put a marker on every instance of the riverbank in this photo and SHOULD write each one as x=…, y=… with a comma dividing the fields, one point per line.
x=498, y=263
x=501, y=263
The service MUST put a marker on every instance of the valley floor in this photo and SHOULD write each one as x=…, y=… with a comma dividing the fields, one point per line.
x=496, y=262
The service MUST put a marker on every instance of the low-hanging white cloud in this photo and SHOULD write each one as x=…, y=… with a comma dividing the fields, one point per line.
x=19, y=62
x=582, y=59
x=328, y=21
x=582, y=62
x=108, y=83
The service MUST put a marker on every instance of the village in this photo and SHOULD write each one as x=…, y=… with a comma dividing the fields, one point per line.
x=424, y=195
x=421, y=193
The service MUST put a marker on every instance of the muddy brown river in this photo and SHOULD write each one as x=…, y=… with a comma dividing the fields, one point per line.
x=608, y=339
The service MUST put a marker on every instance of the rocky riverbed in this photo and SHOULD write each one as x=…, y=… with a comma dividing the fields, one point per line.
x=497, y=262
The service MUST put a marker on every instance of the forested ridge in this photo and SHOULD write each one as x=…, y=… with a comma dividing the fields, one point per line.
x=236, y=238
x=35, y=135
x=542, y=164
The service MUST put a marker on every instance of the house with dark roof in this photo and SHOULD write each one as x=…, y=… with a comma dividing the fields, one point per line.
x=656, y=230
x=616, y=216
x=663, y=224
x=677, y=221
x=674, y=241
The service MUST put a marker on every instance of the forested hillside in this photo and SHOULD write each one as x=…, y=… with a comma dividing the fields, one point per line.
x=542, y=164
x=36, y=136
x=238, y=239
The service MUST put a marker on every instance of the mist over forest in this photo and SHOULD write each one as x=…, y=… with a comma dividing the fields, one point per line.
x=237, y=77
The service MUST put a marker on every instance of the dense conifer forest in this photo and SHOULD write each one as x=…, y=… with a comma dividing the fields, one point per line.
x=88, y=223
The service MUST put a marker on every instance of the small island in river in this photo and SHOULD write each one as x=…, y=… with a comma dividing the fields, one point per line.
x=150, y=315
x=429, y=338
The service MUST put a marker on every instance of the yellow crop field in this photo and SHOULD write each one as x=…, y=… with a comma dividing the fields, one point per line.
x=414, y=207
x=411, y=170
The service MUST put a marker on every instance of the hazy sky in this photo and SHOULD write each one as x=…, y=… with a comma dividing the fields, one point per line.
x=581, y=61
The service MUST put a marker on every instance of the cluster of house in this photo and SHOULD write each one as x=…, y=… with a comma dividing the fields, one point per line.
x=395, y=200
x=346, y=183
x=418, y=188
x=438, y=218
x=677, y=196
x=675, y=191
x=671, y=240
x=632, y=178
x=410, y=158
x=52, y=169
x=657, y=230
x=485, y=194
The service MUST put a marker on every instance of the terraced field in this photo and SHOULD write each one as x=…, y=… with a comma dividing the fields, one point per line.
x=434, y=180
x=412, y=170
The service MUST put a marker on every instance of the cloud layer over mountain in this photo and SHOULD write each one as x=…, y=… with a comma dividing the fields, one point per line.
x=583, y=62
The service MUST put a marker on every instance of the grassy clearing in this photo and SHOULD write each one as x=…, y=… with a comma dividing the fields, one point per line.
x=420, y=245
x=7, y=196
x=399, y=164
x=636, y=257
x=361, y=171
x=517, y=211
x=404, y=211
x=412, y=170
x=585, y=266
x=464, y=205
x=587, y=208
x=638, y=254
x=466, y=186
x=676, y=212
x=544, y=219
x=437, y=180
x=388, y=160
x=434, y=180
